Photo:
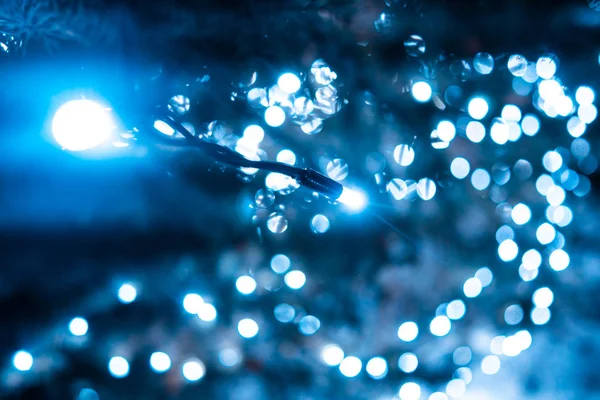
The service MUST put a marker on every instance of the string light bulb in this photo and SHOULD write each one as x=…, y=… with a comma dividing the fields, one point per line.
x=80, y=125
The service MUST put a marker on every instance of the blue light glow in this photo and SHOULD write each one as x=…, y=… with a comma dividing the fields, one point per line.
x=408, y=331
x=127, y=293
x=118, y=367
x=247, y=328
x=82, y=125
x=193, y=370
x=421, y=91
x=192, y=303
x=160, y=362
x=23, y=360
x=78, y=326
x=478, y=108
x=377, y=367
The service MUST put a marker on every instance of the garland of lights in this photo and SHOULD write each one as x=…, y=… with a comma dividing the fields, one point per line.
x=552, y=98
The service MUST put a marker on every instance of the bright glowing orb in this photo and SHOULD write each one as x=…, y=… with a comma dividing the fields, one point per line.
x=193, y=370
x=245, y=284
x=127, y=293
x=274, y=116
x=353, y=199
x=332, y=355
x=421, y=91
x=22, y=360
x=78, y=326
x=289, y=83
x=247, y=328
x=82, y=125
x=192, y=303
x=118, y=367
x=478, y=108
x=160, y=362
x=377, y=367
x=408, y=331
x=350, y=366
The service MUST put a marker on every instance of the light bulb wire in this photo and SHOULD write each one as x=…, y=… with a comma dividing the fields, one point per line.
x=305, y=176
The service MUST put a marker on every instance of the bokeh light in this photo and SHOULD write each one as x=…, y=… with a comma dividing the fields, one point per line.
x=513, y=314
x=440, y=326
x=160, y=362
x=280, y=263
x=456, y=388
x=408, y=363
x=478, y=108
x=543, y=297
x=410, y=391
x=408, y=331
x=404, y=155
x=377, y=368
x=193, y=370
x=245, y=285
x=295, y=279
x=22, y=360
x=485, y=276
x=460, y=168
x=82, y=125
x=274, y=116
x=540, y=316
x=118, y=367
x=319, y=224
x=475, y=131
x=532, y=259
x=192, y=303
x=332, y=355
x=472, y=287
x=78, y=326
x=309, y=325
x=446, y=130
x=247, y=328
x=462, y=356
x=521, y=214
x=127, y=293
x=508, y=250
x=230, y=357
x=559, y=260
x=350, y=366
x=490, y=365
x=456, y=309
x=284, y=313
x=207, y=312
x=289, y=83
x=584, y=95
x=421, y=91
x=480, y=179
x=530, y=125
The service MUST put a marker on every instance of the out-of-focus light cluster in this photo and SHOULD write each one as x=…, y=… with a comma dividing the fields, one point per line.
x=287, y=99
x=305, y=101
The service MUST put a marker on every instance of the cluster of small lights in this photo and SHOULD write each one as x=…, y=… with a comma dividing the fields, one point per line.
x=287, y=102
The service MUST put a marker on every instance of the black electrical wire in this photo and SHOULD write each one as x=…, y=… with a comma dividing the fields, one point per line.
x=305, y=176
